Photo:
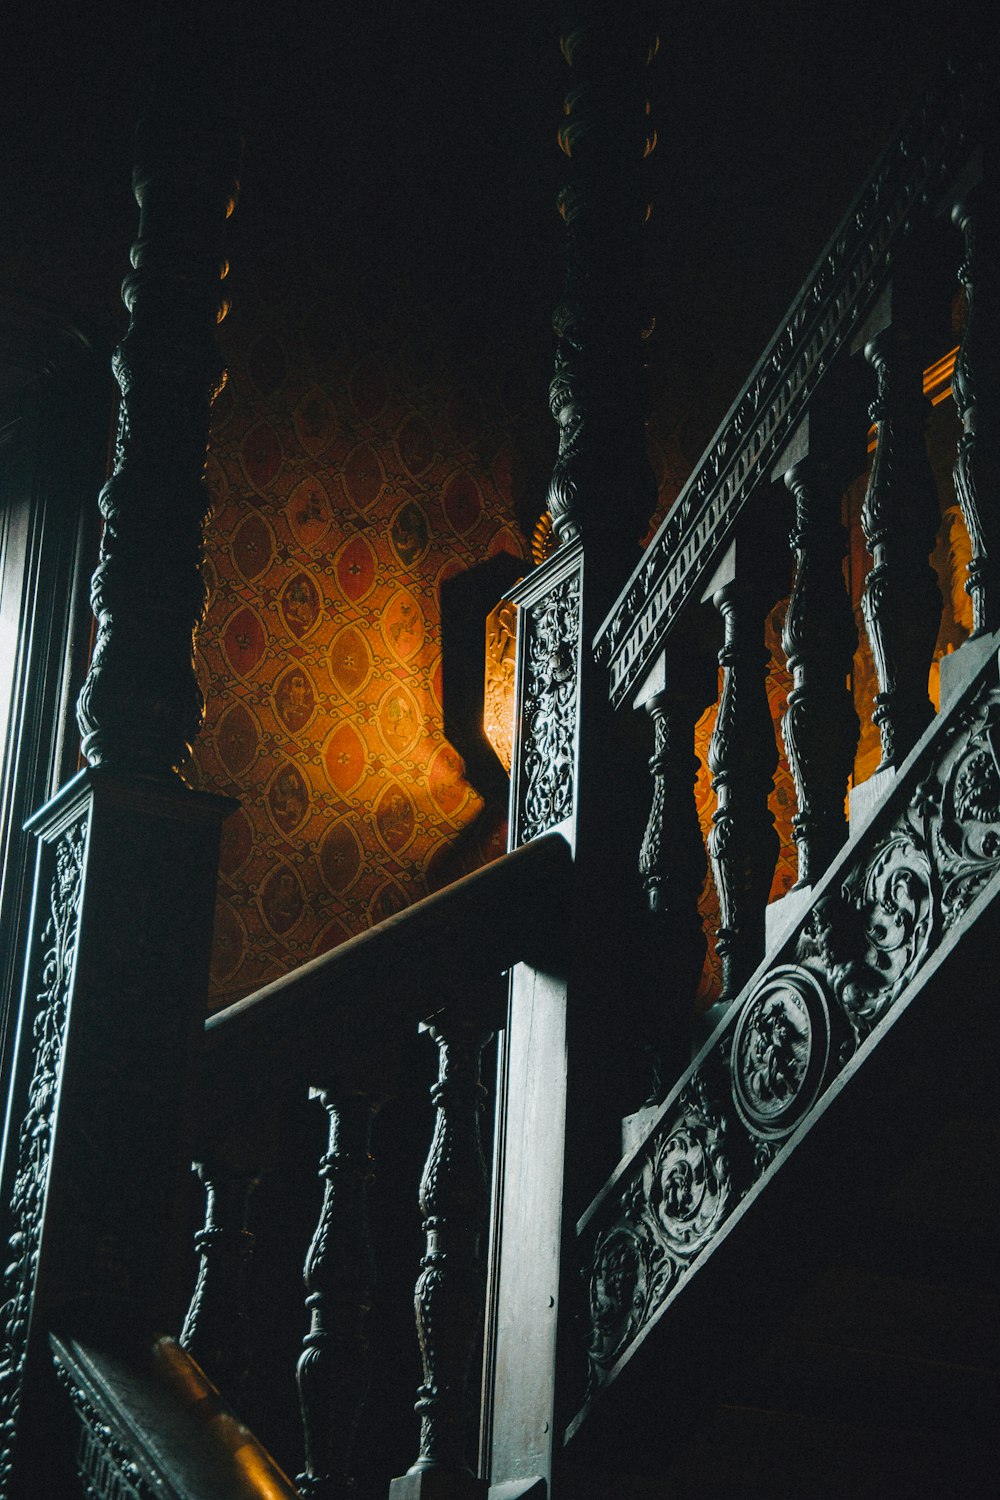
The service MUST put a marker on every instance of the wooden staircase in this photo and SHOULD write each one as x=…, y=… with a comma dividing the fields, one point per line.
x=784, y=1288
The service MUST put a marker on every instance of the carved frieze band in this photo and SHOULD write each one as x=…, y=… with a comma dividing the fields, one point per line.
x=853, y=957
x=931, y=150
x=549, y=709
x=106, y=1468
x=43, y=1031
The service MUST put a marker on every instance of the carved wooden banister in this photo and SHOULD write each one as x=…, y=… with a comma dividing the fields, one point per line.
x=152, y=1424
x=387, y=978
x=895, y=203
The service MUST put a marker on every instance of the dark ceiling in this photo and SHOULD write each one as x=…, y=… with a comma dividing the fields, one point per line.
x=427, y=134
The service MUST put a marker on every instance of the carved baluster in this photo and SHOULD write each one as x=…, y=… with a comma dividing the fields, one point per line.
x=672, y=861
x=743, y=756
x=333, y=1369
x=820, y=726
x=450, y=1289
x=900, y=516
x=217, y=1326
x=976, y=387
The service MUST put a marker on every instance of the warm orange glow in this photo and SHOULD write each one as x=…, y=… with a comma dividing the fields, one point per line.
x=936, y=385
x=938, y=375
x=498, y=695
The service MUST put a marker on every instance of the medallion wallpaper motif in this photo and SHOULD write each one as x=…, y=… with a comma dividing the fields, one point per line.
x=348, y=487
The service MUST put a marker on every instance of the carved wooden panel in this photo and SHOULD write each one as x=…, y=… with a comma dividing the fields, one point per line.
x=932, y=150
x=893, y=899
x=550, y=685
x=28, y=1147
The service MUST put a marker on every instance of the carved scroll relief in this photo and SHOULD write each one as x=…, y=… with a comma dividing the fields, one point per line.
x=669, y=1210
x=550, y=703
x=855, y=956
x=43, y=1030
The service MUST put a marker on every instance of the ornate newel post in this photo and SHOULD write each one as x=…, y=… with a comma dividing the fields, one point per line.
x=333, y=1369
x=743, y=756
x=96, y=1151
x=449, y=1293
x=820, y=726
x=976, y=387
x=900, y=518
x=572, y=1033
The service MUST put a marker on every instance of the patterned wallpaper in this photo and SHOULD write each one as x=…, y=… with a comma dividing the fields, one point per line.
x=351, y=478
x=356, y=466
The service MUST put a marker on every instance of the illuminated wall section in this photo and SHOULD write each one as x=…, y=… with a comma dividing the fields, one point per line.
x=351, y=477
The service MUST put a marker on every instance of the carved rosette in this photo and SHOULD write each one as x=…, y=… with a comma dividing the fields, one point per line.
x=674, y=1201
x=54, y=967
x=780, y=1051
x=550, y=709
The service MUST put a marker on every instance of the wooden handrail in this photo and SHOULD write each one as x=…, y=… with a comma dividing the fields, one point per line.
x=918, y=166
x=341, y=1013
x=149, y=1414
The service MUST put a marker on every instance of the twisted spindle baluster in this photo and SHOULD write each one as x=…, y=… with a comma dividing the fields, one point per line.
x=339, y=1276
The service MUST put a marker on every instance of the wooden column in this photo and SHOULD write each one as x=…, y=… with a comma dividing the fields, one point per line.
x=96, y=1149
x=561, y=1092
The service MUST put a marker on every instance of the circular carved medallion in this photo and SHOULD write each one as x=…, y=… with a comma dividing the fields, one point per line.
x=781, y=1045
x=619, y=1283
x=688, y=1187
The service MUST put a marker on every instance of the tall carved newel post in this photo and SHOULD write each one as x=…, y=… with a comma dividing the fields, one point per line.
x=115, y=977
x=563, y=1082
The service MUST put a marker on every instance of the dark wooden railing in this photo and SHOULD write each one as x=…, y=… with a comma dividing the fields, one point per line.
x=115, y=1073
x=811, y=986
x=335, y=1027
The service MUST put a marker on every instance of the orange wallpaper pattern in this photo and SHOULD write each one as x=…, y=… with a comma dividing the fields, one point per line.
x=348, y=487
